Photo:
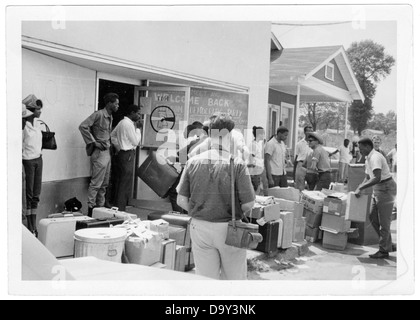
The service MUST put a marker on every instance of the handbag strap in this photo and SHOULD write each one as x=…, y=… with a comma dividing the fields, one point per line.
x=42, y=122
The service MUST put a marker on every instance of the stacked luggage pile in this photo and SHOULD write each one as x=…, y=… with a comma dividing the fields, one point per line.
x=162, y=241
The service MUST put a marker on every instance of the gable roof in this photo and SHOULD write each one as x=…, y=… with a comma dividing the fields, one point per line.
x=298, y=65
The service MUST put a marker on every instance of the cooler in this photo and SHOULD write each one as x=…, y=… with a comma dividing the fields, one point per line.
x=102, y=243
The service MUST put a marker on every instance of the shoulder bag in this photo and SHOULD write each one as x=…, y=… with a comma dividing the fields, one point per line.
x=48, y=138
x=240, y=234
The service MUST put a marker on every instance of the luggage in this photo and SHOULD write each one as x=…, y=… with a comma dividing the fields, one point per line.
x=168, y=253
x=270, y=233
x=158, y=174
x=177, y=223
x=57, y=234
x=288, y=229
x=106, y=213
x=143, y=251
x=180, y=256
x=98, y=223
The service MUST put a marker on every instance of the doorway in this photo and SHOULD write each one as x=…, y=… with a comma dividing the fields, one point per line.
x=126, y=97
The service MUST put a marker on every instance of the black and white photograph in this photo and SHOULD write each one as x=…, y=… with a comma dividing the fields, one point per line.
x=210, y=150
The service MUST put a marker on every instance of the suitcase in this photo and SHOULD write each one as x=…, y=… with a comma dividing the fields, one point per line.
x=288, y=229
x=178, y=221
x=270, y=233
x=180, y=256
x=106, y=213
x=57, y=234
x=98, y=223
x=158, y=174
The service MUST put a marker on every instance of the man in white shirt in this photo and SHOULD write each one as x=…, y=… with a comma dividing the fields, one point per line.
x=125, y=138
x=275, y=159
x=302, y=151
x=384, y=193
x=345, y=158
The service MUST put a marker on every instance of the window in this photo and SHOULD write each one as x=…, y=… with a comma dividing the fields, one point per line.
x=329, y=71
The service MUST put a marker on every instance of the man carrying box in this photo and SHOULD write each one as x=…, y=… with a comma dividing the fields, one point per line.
x=384, y=193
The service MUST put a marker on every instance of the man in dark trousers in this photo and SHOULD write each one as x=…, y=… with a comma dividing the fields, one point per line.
x=96, y=132
x=125, y=138
x=384, y=193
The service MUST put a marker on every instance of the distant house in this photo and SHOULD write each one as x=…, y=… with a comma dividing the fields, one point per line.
x=371, y=132
x=303, y=75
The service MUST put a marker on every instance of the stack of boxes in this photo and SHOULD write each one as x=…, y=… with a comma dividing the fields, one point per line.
x=313, y=203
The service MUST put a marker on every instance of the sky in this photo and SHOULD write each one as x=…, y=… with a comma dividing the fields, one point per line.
x=381, y=32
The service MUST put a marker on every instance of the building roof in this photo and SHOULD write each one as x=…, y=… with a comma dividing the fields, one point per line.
x=298, y=65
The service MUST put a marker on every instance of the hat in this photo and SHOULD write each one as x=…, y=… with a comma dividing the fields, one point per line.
x=317, y=136
x=282, y=129
x=30, y=101
x=25, y=112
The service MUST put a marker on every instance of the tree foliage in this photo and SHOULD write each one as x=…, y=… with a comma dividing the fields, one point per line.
x=386, y=123
x=322, y=115
x=370, y=65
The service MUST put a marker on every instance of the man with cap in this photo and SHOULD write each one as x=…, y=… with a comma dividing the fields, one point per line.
x=32, y=157
x=379, y=177
x=96, y=132
x=320, y=161
x=275, y=159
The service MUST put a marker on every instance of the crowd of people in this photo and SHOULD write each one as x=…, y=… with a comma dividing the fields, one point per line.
x=203, y=187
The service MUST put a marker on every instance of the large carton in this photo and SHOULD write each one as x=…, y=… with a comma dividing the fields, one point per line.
x=287, y=205
x=144, y=251
x=313, y=219
x=299, y=230
x=335, y=223
x=313, y=200
x=288, y=229
x=257, y=212
x=161, y=227
x=311, y=234
x=289, y=193
x=269, y=213
x=335, y=204
x=334, y=241
x=356, y=176
x=357, y=208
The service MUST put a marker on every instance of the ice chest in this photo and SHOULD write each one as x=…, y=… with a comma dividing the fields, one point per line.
x=102, y=243
x=158, y=173
x=107, y=213
x=57, y=234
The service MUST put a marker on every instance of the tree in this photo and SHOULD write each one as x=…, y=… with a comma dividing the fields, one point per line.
x=322, y=115
x=370, y=65
x=386, y=123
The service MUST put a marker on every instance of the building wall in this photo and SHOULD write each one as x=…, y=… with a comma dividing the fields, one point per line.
x=277, y=97
x=338, y=77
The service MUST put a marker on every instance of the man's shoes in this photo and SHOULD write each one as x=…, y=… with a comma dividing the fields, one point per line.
x=394, y=247
x=379, y=255
x=90, y=212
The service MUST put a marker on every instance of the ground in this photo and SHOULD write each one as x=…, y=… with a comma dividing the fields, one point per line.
x=313, y=262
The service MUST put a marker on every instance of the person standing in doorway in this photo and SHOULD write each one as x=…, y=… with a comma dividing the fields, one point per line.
x=32, y=159
x=96, y=132
x=275, y=159
x=384, y=193
x=320, y=161
x=302, y=151
x=256, y=157
x=126, y=137
x=25, y=114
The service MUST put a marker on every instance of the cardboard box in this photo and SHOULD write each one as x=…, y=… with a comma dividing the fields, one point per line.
x=356, y=176
x=288, y=229
x=334, y=241
x=289, y=193
x=299, y=230
x=311, y=234
x=313, y=200
x=257, y=212
x=313, y=219
x=161, y=227
x=335, y=204
x=143, y=251
x=272, y=212
x=287, y=205
x=357, y=208
x=334, y=223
